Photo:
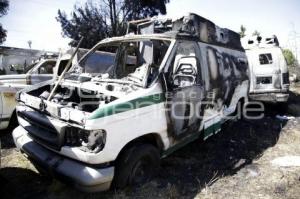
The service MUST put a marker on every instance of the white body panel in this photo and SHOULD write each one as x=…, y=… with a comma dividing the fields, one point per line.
x=269, y=78
x=11, y=84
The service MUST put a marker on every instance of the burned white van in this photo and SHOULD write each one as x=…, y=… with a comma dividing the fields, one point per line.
x=111, y=120
x=269, y=77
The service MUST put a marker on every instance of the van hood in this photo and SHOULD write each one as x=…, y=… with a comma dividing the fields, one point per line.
x=75, y=100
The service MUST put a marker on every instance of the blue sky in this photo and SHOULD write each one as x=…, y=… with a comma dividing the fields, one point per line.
x=35, y=19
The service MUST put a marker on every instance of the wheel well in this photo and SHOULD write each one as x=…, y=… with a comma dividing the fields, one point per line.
x=13, y=121
x=151, y=138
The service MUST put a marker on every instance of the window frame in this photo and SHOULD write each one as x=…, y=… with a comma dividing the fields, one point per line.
x=268, y=56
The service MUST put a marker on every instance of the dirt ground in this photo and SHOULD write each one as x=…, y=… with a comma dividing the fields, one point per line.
x=236, y=163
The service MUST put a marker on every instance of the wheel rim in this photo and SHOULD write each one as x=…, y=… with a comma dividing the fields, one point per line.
x=141, y=172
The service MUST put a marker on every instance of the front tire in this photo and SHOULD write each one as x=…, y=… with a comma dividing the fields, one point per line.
x=136, y=166
x=13, y=122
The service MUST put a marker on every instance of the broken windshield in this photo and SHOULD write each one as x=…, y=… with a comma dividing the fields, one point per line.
x=134, y=61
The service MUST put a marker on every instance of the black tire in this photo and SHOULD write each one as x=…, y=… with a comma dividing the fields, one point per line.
x=136, y=166
x=282, y=107
x=13, y=122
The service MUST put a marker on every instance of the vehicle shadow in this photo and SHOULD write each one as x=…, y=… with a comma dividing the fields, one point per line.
x=188, y=171
x=6, y=139
x=22, y=183
x=200, y=164
x=293, y=104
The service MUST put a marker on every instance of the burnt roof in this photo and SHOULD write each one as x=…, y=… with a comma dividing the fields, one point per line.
x=191, y=27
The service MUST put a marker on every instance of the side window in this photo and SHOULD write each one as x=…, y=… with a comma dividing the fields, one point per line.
x=265, y=59
x=128, y=57
x=99, y=62
x=185, y=69
x=47, y=68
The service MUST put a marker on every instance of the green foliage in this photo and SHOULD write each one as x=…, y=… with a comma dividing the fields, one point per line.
x=106, y=18
x=87, y=21
x=242, y=31
x=3, y=7
x=4, y=4
x=289, y=57
x=256, y=33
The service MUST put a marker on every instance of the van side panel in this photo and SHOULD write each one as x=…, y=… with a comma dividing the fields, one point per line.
x=225, y=71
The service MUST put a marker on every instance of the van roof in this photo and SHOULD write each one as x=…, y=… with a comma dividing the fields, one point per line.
x=190, y=27
x=260, y=42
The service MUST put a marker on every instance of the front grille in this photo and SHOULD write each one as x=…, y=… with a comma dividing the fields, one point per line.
x=264, y=80
x=43, y=130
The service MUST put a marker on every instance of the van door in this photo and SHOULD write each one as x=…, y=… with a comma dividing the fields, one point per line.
x=266, y=71
x=185, y=90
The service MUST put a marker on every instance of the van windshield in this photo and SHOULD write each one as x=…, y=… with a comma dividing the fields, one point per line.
x=132, y=61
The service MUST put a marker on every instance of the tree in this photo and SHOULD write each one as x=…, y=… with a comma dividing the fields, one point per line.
x=242, y=31
x=256, y=33
x=96, y=21
x=289, y=57
x=4, y=4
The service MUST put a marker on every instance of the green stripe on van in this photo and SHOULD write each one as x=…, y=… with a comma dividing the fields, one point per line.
x=127, y=106
x=213, y=129
x=194, y=136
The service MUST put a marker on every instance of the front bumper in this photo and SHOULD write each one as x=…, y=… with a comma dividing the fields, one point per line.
x=82, y=176
x=269, y=97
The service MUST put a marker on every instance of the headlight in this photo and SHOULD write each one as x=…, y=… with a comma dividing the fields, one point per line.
x=90, y=141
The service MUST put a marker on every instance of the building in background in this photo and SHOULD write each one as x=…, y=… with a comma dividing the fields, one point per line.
x=17, y=60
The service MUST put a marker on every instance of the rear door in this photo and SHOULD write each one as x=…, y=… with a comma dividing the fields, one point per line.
x=266, y=70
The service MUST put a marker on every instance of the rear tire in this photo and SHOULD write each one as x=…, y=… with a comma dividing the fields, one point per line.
x=136, y=166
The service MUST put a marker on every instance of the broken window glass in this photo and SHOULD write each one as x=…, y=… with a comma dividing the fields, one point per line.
x=132, y=60
x=263, y=80
x=45, y=68
x=265, y=59
x=100, y=61
x=185, y=65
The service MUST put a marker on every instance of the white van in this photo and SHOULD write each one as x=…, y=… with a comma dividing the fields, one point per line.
x=269, y=77
x=11, y=84
x=44, y=70
x=112, y=119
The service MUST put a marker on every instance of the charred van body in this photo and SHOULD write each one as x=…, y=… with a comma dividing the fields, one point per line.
x=111, y=119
